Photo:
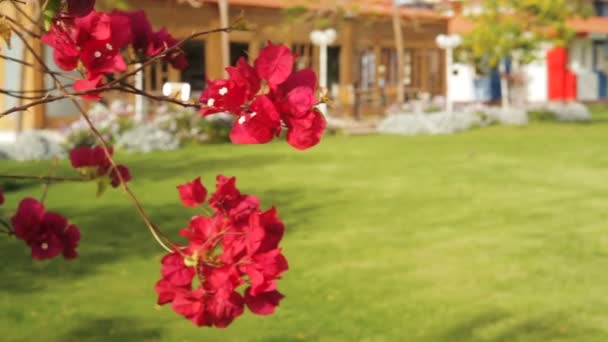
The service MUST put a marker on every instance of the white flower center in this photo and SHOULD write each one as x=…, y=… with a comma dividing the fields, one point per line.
x=109, y=47
x=253, y=115
x=210, y=102
x=223, y=91
x=44, y=246
x=97, y=54
x=242, y=120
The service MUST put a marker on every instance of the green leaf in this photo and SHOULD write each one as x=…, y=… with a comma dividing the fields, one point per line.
x=50, y=11
x=102, y=186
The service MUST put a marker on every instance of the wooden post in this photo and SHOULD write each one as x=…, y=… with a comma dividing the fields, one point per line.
x=213, y=60
x=400, y=53
x=346, y=61
x=224, y=36
x=33, y=118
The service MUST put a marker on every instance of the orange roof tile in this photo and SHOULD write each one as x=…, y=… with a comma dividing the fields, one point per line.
x=460, y=24
x=379, y=7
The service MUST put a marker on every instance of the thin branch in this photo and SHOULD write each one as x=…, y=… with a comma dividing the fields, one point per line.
x=20, y=26
x=154, y=230
x=132, y=90
x=44, y=178
x=47, y=183
x=34, y=22
x=58, y=73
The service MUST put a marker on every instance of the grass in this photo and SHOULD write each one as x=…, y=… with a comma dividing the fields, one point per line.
x=497, y=234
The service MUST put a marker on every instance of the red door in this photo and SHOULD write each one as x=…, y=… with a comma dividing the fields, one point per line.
x=562, y=82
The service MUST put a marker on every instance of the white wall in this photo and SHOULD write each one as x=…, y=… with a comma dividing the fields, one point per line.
x=12, y=75
x=536, y=76
x=460, y=83
x=580, y=57
x=63, y=107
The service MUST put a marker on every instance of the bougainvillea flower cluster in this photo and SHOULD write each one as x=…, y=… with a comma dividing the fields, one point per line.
x=95, y=40
x=48, y=234
x=267, y=97
x=80, y=8
x=232, y=258
x=93, y=163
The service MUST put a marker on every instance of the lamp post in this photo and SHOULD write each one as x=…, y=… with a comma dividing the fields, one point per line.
x=448, y=43
x=323, y=38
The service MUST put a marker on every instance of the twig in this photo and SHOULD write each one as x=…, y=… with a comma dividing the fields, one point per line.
x=44, y=178
x=47, y=183
x=156, y=233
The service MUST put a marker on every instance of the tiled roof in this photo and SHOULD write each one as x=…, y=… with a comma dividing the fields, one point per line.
x=460, y=24
x=377, y=7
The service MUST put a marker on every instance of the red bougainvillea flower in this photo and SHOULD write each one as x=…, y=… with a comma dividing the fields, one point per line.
x=61, y=37
x=80, y=8
x=87, y=85
x=161, y=41
x=274, y=64
x=1, y=197
x=47, y=234
x=140, y=28
x=90, y=157
x=93, y=163
x=234, y=256
x=124, y=173
x=96, y=40
x=192, y=193
x=288, y=103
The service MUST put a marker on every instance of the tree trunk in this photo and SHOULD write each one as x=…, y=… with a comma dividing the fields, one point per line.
x=400, y=53
x=504, y=86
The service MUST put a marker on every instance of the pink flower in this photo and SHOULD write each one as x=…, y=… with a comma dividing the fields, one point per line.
x=175, y=271
x=124, y=173
x=91, y=157
x=226, y=195
x=237, y=245
x=259, y=126
x=101, y=57
x=263, y=303
x=87, y=85
x=192, y=193
x=62, y=38
x=94, y=163
x=289, y=102
x=264, y=269
x=161, y=41
x=274, y=64
x=306, y=131
x=80, y=8
x=28, y=218
x=48, y=234
x=140, y=28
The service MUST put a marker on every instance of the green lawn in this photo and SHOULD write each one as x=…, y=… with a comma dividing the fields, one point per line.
x=497, y=234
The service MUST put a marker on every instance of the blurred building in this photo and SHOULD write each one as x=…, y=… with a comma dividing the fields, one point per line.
x=362, y=63
x=576, y=72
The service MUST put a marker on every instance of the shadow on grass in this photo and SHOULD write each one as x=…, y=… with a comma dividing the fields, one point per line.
x=549, y=327
x=167, y=165
x=112, y=329
x=112, y=233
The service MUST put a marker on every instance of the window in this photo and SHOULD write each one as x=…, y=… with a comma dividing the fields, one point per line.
x=367, y=69
x=305, y=53
x=195, y=73
x=155, y=76
x=333, y=66
x=238, y=50
x=388, y=59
